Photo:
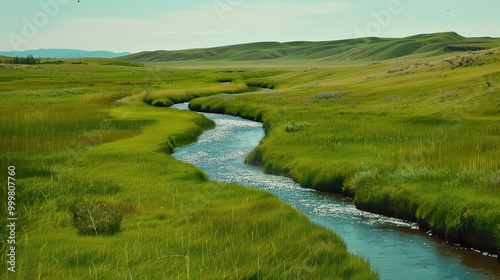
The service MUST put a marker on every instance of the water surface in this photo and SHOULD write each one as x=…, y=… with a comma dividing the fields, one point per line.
x=393, y=247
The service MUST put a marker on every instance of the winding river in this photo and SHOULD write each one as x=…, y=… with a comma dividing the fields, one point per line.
x=395, y=248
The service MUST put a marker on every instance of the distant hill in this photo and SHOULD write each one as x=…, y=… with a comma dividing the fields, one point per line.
x=63, y=53
x=371, y=49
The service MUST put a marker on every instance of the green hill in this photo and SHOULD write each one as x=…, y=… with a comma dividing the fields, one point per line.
x=362, y=49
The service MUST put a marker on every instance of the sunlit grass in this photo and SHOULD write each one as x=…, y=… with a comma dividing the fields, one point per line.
x=83, y=131
x=420, y=143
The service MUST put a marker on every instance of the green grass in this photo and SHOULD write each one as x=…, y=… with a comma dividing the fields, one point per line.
x=416, y=139
x=364, y=49
x=84, y=131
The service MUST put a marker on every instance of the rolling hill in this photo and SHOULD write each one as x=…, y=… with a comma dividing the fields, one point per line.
x=362, y=49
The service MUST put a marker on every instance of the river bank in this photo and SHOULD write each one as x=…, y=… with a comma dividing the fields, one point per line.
x=403, y=205
x=105, y=146
x=423, y=145
x=384, y=241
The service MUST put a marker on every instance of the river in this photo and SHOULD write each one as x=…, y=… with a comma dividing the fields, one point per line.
x=395, y=248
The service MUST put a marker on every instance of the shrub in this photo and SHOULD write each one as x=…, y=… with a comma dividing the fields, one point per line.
x=382, y=113
x=95, y=217
x=293, y=126
x=336, y=95
x=491, y=180
x=466, y=61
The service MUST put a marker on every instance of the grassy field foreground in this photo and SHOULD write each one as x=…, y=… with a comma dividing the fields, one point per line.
x=82, y=130
x=416, y=138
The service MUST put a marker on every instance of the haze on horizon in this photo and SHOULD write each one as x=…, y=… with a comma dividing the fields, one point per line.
x=160, y=25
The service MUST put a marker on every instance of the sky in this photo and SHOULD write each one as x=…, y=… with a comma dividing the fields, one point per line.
x=134, y=26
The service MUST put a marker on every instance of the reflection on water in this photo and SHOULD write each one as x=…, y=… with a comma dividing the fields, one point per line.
x=393, y=247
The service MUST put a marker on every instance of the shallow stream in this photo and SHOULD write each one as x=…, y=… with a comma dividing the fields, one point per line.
x=395, y=248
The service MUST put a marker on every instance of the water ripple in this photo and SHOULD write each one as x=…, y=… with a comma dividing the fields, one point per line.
x=220, y=152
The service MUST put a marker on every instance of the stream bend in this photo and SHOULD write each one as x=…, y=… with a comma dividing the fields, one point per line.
x=395, y=248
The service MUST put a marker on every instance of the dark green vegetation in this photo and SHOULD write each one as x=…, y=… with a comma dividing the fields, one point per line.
x=96, y=217
x=364, y=49
x=22, y=60
x=98, y=197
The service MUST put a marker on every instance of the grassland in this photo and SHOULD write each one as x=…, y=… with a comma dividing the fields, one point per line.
x=415, y=138
x=409, y=133
x=84, y=129
x=343, y=51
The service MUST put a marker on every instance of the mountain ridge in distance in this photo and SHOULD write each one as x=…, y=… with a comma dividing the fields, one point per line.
x=64, y=53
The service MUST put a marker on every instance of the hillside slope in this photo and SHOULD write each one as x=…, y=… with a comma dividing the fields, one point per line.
x=363, y=49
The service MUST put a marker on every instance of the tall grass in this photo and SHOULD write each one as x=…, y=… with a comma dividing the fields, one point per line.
x=105, y=149
x=168, y=97
x=419, y=144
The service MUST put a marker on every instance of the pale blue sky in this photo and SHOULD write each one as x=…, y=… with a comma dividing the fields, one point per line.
x=125, y=25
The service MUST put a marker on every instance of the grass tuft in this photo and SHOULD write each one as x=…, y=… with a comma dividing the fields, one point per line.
x=95, y=217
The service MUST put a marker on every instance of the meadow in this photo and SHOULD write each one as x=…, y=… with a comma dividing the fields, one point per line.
x=92, y=137
x=409, y=130
x=416, y=138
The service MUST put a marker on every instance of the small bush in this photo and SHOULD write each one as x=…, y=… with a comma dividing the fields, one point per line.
x=95, y=217
x=382, y=113
x=466, y=61
x=395, y=70
x=327, y=96
x=491, y=180
x=293, y=126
